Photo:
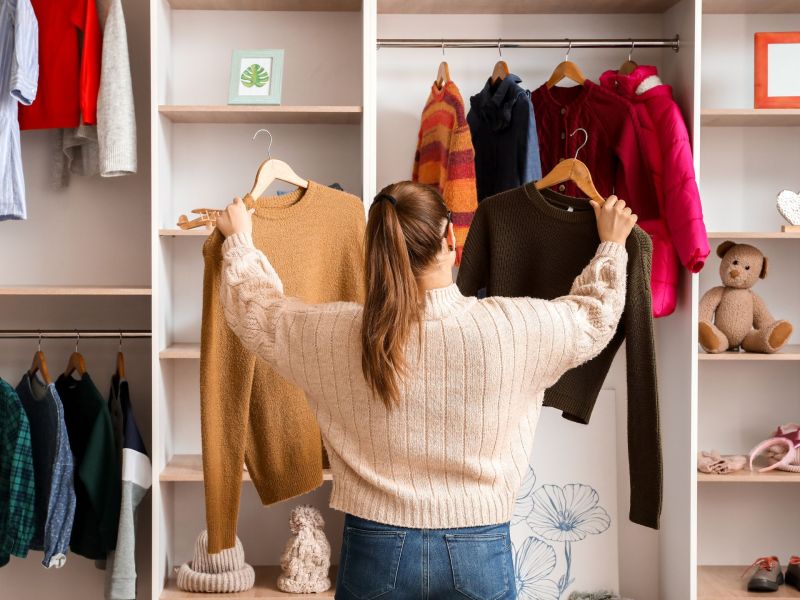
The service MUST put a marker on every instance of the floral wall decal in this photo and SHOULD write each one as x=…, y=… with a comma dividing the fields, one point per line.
x=557, y=514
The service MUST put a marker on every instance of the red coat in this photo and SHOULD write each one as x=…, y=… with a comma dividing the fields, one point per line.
x=69, y=65
x=677, y=225
x=612, y=152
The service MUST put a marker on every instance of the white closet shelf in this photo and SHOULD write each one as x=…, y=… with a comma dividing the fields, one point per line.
x=181, y=350
x=198, y=232
x=188, y=468
x=750, y=117
x=788, y=352
x=523, y=6
x=287, y=5
x=298, y=115
x=730, y=7
x=725, y=583
x=264, y=588
x=74, y=290
x=754, y=235
x=747, y=476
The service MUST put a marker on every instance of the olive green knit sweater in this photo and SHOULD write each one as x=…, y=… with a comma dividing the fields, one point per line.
x=523, y=243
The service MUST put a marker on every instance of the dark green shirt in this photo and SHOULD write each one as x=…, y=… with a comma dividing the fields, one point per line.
x=529, y=243
x=97, y=477
x=17, y=483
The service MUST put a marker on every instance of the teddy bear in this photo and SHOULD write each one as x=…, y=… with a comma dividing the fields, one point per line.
x=732, y=315
x=306, y=561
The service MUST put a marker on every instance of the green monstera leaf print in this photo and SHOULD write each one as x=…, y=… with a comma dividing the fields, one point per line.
x=254, y=76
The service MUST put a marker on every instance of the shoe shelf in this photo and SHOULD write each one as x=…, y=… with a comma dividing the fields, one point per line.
x=265, y=588
x=726, y=582
x=181, y=351
x=788, y=352
x=188, y=468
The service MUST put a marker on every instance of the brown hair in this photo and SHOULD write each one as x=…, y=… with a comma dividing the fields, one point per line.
x=403, y=237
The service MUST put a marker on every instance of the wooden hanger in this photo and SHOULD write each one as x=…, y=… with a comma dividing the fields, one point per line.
x=574, y=170
x=76, y=362
x=120, y=361
x=443, y=72
x=629, y=65
x=566, y=69
x=272, y=169
x=500, y=70
x=40, y=364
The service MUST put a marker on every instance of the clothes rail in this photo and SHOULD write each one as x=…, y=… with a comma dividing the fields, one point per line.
x=674, y=43
x=25, y=334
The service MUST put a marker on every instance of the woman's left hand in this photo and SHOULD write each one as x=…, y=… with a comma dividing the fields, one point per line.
x=235, y=219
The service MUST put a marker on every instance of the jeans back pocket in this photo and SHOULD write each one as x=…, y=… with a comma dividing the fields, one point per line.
x=371, y=561
x=480, y=564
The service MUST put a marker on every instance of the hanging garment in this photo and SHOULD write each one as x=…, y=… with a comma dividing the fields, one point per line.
x=97, y=480
x=452, y=452
x=612, y=150
x=69, y=66
x=678, y=225
x=249, y=413
x=503, y=128
x=109, y=149
x=19, y=75
x=53, y=467
x=445, y=158
x=529, y=243
x=17, y=480
x=136, y=480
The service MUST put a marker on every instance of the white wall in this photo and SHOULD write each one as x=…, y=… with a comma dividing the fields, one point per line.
x=96, y=232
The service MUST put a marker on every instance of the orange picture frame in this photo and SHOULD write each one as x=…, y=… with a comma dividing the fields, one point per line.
x=762, y=42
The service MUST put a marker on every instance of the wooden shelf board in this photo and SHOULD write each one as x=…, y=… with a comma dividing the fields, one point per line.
x=754, y=235
x=523, y=6
x=750, y=117
x=747, y=476
x=788, y=352
x=721, y=7
x=180, y=351
x=76, y=290
x=223, y=113
x=264, y=588
x=187, y=468
x=725, y=582
x=199, y=232
x=286, y=5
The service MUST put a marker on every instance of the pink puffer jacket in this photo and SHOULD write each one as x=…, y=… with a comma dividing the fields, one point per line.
x=676, y=224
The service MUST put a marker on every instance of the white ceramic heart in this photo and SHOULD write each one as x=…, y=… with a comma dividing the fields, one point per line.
x=789, y=206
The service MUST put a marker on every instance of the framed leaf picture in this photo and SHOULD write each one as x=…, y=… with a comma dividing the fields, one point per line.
x=777, y=77
x=256, y=77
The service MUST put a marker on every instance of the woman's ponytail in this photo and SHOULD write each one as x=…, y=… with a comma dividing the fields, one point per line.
x=403, y=237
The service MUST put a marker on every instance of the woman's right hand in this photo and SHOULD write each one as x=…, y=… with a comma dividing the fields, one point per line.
x=614, y=220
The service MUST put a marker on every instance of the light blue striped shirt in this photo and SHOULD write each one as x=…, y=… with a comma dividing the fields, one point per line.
x=19, y=76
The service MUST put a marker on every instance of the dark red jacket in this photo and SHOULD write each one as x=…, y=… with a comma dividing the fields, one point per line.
x=612, y=152
x=69, y=65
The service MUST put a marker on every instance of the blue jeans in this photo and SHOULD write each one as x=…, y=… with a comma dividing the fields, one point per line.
x=398, y=563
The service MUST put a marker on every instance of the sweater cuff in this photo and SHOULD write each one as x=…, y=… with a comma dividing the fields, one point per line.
x=612, y=250
x=237, y=240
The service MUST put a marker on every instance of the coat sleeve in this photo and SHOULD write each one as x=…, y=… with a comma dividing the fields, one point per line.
x=473, y=273
x=460, y=190
x=682, y=211
x=85, y=19
x=529, y=161
x=25, y=65
x=634, y=181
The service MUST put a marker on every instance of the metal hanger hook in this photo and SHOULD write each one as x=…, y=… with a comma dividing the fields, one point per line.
x=77, y=339
x=120, y=342
x=269, y=147
x=499, y=50
x=39, y=343
x=585, y=139
x=569, y=47
x=630, y=52
x=442, y=47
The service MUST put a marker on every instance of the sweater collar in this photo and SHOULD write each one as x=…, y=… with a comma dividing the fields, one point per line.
x=287, y=205
x=495, y=101
x=440, y=303
x=557, y=206
x=567, y=97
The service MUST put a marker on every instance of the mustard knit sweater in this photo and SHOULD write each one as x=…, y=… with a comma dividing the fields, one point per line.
x=453, y=452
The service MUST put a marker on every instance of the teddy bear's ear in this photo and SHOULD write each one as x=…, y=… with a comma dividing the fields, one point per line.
x=724, y=247
x=763, y=274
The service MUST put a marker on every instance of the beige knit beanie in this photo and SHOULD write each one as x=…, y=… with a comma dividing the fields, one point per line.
x=223, y=572
x=307, y=557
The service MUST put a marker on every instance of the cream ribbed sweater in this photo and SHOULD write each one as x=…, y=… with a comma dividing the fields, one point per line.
x=453, y=452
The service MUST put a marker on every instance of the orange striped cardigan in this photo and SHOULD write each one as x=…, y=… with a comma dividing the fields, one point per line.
x=445, y=158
